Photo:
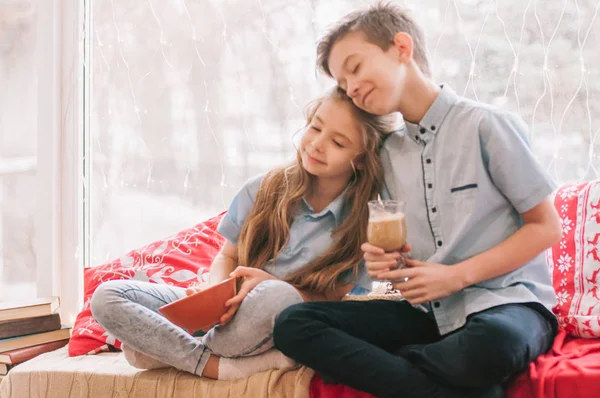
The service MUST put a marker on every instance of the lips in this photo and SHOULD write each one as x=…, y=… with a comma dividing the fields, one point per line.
x=313, y=159
x=364, y=98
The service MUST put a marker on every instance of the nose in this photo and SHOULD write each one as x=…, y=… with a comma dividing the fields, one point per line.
x=317, y=142
x=353, y=88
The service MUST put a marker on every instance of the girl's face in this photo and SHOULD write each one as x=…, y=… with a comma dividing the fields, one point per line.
x=331, y=141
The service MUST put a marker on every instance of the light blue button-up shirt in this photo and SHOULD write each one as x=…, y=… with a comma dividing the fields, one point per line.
x=466, y=172
x=310, y=234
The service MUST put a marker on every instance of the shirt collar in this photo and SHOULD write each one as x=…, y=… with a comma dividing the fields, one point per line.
x=336, y=207
x=435, y=115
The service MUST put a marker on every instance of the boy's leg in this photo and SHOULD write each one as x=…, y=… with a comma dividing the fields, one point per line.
x=350, y=342
x=128, y=310
x=492, y=346
x=351, y=347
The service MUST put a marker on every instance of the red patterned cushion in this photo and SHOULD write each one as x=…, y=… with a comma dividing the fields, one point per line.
x=575, y=260
x=177, y=260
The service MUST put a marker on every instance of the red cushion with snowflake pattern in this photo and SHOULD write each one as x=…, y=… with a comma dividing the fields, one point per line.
x=575, y=260
x=177, y=260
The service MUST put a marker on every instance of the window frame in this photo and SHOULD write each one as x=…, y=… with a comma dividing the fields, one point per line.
x=61, y=137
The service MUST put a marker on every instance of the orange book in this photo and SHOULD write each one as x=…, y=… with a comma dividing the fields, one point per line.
x=202, y=310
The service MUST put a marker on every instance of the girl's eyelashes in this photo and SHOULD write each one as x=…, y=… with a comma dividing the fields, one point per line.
x=356, y=68
x=318, y=129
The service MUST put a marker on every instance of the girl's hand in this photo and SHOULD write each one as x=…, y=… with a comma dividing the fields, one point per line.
x=196, y=287
x=252, y=277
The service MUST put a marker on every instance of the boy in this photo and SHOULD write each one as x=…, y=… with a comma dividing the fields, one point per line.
x=478, y=214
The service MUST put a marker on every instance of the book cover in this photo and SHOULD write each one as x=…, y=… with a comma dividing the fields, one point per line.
x=10, y=310
x=21, y=355
x=12, y=343
x=19, y=327
x=202, y=310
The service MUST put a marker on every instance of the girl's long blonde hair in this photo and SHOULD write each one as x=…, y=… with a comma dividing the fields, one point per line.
x=267, y=228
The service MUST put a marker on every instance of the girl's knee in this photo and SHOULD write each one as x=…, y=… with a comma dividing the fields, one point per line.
x=102, y=295
x=275, y=293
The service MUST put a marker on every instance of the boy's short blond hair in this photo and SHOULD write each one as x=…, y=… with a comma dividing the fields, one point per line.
x=379, y=23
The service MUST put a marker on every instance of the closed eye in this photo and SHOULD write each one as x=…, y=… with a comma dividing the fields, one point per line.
x=356, y=68
x=338, y=144
x=315, y=128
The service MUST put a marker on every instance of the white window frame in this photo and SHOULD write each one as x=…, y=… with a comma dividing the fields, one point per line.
x=60, y=209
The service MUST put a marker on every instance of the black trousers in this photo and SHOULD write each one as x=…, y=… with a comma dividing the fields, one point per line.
x=391, y=349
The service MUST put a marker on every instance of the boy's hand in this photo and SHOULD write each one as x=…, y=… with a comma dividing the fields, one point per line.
x=378, y=261
x=252, y=277
x=426, y=281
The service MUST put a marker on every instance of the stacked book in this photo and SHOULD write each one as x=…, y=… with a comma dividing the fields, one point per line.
x=29, y=328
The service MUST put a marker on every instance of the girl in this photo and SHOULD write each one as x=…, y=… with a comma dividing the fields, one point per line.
x=293, y=234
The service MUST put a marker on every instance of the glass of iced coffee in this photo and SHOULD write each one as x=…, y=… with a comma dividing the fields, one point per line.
x=387, y=227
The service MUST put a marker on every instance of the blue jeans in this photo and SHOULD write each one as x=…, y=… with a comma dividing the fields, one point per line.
x=128, y=310
x=391, y=349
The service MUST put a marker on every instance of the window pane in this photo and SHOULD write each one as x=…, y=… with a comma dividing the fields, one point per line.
x=18, y=149
x=191, y=98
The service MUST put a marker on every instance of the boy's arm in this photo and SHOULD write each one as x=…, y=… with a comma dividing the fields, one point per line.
x=542, y=229
x=429, y=281
x=524, y=182
x=522, y=179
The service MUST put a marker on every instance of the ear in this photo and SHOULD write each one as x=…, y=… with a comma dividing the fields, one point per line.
x=359, y=161
x=403, y=43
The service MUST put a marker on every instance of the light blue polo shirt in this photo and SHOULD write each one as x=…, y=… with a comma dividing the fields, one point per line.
x=310, y=234
x=466, y=172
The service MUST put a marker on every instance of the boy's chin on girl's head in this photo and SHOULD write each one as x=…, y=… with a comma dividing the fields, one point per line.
x=379, y=101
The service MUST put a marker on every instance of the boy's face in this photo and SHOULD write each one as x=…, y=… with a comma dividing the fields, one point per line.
x=373, y=78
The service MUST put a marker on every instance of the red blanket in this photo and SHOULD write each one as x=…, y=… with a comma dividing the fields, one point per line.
x=570, y=369
x=320, y=390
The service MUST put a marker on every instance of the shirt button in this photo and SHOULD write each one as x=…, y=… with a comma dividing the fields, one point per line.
x=307, y=218
x=439, y=242
x=433, y=209
x=436, y=304
x=429, y=186
x=422, y=130
x=428, y=161
x=432, y=128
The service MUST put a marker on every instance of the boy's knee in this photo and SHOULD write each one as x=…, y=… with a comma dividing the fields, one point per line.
x=502, y=351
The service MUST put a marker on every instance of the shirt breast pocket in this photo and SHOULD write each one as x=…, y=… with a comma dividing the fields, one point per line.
x=460, y=203
x=463, y=190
